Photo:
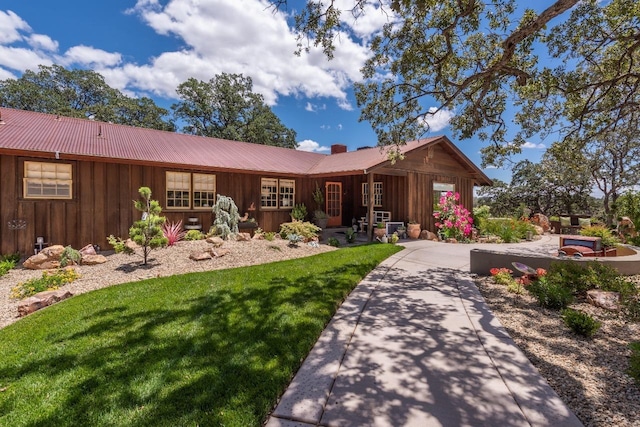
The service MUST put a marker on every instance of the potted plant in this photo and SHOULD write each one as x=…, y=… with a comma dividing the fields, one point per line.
x=320, y=217
x=380, y=230
x=413, y=230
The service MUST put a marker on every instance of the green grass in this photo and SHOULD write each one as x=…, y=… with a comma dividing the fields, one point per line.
x=214, y=348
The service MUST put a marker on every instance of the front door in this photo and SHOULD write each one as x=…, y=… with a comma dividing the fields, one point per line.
x=333, y=200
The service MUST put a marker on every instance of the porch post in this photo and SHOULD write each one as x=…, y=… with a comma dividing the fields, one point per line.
x=370, y=207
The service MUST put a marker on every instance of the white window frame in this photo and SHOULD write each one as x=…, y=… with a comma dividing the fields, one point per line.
x=55, y=180
x=377, y=194
x=182, y=185
x=277, y=193
x=286, y=193
x=203, y=183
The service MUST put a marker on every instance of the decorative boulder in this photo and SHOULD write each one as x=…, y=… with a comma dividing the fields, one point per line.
x=215, y=241
x=41, y=300
x=542, y=221
x=200, y=256
x=428, y=235
x=46, y=259
x=243, y=237
x=217, y=253
x=88, y=250
x=93, y=259
x=603, y=299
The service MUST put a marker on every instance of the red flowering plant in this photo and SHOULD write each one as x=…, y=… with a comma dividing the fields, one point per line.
x=453, y=220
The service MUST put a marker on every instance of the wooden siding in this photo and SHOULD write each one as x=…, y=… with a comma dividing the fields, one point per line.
x=103, y=194
x=102, y=203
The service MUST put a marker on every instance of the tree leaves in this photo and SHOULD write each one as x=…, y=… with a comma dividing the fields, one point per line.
x=226, y=107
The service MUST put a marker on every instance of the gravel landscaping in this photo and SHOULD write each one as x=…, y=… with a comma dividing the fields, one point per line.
x=588, y=374
x=121, y=268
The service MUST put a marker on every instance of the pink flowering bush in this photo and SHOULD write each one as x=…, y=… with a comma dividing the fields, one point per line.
x=453, y=220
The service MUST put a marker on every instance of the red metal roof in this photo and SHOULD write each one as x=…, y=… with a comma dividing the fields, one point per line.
x=38, y=132
x=27, y=131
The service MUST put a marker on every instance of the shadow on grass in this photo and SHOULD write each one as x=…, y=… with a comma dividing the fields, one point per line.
x=208, y=349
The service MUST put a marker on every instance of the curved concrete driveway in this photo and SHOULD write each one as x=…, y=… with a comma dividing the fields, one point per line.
x=415, y=345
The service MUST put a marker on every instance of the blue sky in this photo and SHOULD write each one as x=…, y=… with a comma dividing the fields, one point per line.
x=149, y=47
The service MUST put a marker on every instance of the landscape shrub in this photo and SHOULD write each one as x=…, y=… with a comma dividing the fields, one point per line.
x=580, y=322
x=294, y=239
x=269, y=236
x=333, y=242
x=5, y=266
x=15, y=257
x=350, y=235
x=550, y=294
x=227, y=217
x=508, y=229
x=502, y=276
x=193, y=235
x=70, y=256
x=173, y=232
x=48, y=282
x=304, y=229
x=452, y=219
x=634, y=361
x=580, y=278
x=607, y=236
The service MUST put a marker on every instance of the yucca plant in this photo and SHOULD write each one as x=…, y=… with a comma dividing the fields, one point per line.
x=173, y=232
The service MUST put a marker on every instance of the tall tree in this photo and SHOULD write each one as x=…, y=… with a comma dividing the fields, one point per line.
x=79, y=93
x=476, y=57
x=614, y=160
x=226, y=107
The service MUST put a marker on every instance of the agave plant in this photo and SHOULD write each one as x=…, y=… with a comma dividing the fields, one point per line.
x=173, y=232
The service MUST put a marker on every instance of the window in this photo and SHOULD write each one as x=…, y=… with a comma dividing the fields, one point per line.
x=204, y=191
x=47, y=180
x=178, y=189
x=377, y=193
x=439, y=190
x=277, y=193
x=186, y=190
x=287, y=193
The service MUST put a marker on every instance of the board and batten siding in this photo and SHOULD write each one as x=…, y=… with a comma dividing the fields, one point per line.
x=102, y=203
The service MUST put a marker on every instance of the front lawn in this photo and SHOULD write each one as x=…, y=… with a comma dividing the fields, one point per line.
x=214, y=348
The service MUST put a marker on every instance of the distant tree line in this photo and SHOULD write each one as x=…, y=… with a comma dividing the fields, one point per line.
x=224, y=107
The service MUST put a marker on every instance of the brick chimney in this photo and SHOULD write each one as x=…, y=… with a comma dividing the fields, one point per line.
x=338, y=148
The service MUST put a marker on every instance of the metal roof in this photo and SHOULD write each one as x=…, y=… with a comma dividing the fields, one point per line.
x=31, y=132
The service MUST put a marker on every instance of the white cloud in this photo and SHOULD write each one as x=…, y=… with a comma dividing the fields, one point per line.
x=21, y=59
x=339, y=127
x=310, y=107
x=438, y=120
x=217, y=36
x=365, y=23
x=87, y=55
x=247, y=37
x=10, y=27
x=42, y=42
x=309, y=145
x=344, y=104
x=6, y=74
x=533, y=145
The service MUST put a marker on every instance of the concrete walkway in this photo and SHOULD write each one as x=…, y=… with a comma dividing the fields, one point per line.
x=416, y=345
